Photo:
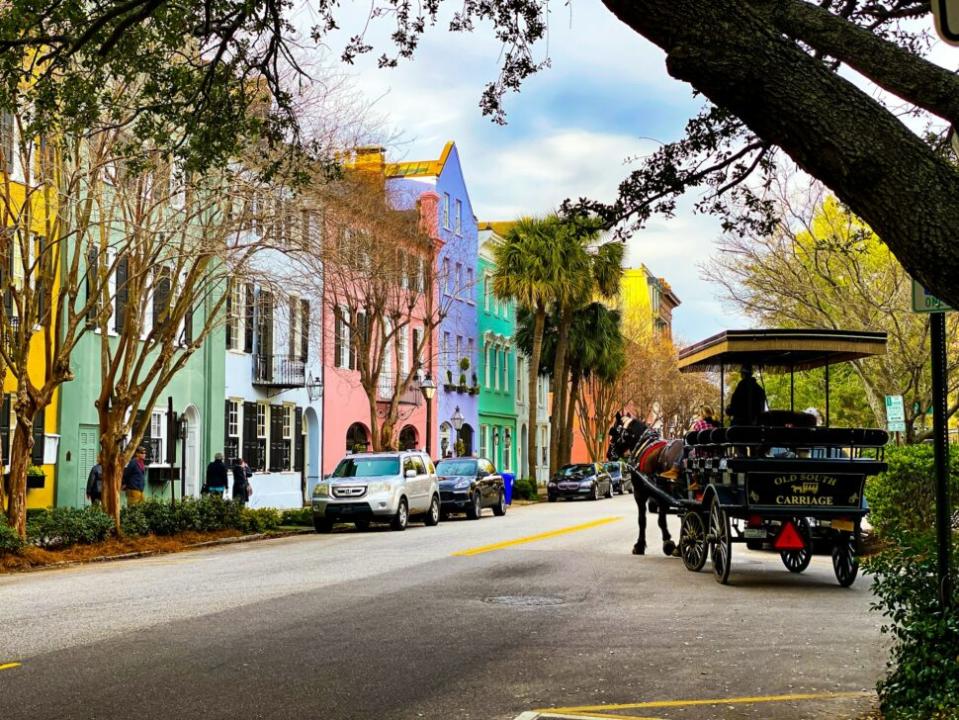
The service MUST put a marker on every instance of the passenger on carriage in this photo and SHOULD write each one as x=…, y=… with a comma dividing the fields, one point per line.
x=706, y=421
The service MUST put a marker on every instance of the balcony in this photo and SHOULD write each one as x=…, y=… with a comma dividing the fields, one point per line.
x=410, y=396
x=279, y=371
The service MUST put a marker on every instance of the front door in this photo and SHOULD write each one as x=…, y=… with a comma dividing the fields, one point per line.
x=86, y=457
x=190, y=461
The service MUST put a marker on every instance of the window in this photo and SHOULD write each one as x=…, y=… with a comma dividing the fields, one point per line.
x=507, y=448
x=420, y=275
x=261, y=420
x=495, y=368
x=445, y=352
x=233, y=419
x=486, y=366
x=458, y=287
x=404, y=351
x=459, y=217
x=419, y=465
x=483, y=442
x=446, y=210
x=341, y=340
x=447, y=276
x=459, y=351
x=519, y=380
x=486, y=291
x=470, y=290
x=505, y=370
x=288, y=422
x=162, y=287
x=234, y=314
x=469, y=352
x=417, y=341
x=386, y=379
x=157, y=435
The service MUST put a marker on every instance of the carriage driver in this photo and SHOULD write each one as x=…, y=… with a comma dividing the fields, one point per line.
x=748, y=400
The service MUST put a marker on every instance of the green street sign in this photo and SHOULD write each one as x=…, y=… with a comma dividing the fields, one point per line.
x=924, y=302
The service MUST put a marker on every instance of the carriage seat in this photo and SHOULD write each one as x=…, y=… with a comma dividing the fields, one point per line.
x=755, y=435
x=786, y=418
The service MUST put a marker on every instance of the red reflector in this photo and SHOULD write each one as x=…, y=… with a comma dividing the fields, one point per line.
x=789, y=538
x=755, y=521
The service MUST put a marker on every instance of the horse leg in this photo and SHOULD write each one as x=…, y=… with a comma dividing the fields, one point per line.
x=639, y=495
x=668, y=545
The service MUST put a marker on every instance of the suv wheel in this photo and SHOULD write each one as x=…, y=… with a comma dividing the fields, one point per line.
x=433, y=514
x=499, y=509
x=475, y=508
x=402, y=517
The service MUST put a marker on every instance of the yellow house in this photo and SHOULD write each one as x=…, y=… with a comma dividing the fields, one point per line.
x=646, y=304
x=17, y=189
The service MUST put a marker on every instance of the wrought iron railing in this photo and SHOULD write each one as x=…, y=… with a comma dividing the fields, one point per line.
x=279, y=371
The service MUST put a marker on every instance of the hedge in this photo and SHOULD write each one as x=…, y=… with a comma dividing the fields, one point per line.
x=525, y=489
x=10, y=542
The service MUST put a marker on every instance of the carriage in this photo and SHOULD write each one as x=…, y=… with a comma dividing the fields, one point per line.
x=786, y=480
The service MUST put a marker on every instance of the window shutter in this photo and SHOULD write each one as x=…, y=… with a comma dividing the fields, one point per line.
x=122, y=291
x=5, y=428
x=92, y=270
x=276, y=438
x=36, y=455
x=292, y=332
x=304, y=330
x=298, y=439
x=250, y=314
x=337, y=337
x=161, y=299
x=229, y=312
x=188, y=325
x=250, y=444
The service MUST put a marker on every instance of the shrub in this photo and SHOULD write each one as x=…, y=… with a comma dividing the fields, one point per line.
x=300, y=516
x=525, y=489
x=161, y=517
x=260, y=519
x=922, y=681
x=904, y=497
x=66, y=526
x=133, y=520
x=10, y=542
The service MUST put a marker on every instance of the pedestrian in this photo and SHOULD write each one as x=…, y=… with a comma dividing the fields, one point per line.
x=95, y=483
x=135, y=476
x=216, y=477
x=241, y=481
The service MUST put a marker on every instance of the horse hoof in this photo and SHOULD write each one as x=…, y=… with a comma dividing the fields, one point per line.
x=639, y=550
x=668, y=547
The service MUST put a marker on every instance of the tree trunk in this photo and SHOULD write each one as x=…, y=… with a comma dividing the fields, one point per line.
x=560, y=391
x=111, y=461
x=567, y=435
x=19, y=462
x=539, y=323
x=829, y=127
x=375, y=434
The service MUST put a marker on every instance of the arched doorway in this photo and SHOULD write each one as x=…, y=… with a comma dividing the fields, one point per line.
x=191, y=459
x=524, y=453
x=312, y=454
x=466, y=435
x=409, y=438
x=357, y=438
x=445, y=444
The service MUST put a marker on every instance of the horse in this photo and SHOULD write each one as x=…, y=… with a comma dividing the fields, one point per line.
x=627, y=439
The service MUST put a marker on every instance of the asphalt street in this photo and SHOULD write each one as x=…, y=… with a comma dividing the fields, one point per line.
x=456, y=621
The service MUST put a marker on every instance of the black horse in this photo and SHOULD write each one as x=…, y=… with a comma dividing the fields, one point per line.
x=625, y=437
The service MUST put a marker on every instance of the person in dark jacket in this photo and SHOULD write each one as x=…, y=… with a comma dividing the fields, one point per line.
x=241, y=481
x=748, y=400
x=95, y=483
x=135, y=476
x=216, y=476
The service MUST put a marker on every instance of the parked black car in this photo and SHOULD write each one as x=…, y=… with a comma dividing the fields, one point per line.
x=585, y=480
x=468, y=485
x=622, y=481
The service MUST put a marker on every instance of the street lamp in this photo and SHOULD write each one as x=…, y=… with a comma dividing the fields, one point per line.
x=457, y=425
x=428, y=388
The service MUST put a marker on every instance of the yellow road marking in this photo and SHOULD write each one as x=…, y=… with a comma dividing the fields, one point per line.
x=533, y=538
x=9, y=666
x=591, y=715
x=749, y=700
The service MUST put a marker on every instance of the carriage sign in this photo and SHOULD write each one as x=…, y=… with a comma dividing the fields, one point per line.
x=946, y=13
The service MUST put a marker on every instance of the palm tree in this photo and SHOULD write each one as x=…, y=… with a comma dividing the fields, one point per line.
x=591, y=270
x=529, y=271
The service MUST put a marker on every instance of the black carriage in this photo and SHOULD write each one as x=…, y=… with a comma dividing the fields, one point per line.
x=784, y=480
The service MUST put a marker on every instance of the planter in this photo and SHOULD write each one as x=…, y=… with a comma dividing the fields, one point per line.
x=461, y=389
x=449, y=387
x=36, y=481
x=474, y=390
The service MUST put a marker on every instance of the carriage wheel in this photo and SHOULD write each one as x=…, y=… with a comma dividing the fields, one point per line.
x=720, y=542
x=798, y=560
x=692, y=541
x=844, y=560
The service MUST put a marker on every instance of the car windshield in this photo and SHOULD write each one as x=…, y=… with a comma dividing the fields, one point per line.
x=576, y=470
x=367, y=467
x=613, y=469
x=456, y=467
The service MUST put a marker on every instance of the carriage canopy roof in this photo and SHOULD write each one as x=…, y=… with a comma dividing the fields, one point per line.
x=780, y=350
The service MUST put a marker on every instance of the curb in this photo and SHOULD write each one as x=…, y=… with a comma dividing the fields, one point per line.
x=148, y=553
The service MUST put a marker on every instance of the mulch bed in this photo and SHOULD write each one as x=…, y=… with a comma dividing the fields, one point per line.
x=34, y=557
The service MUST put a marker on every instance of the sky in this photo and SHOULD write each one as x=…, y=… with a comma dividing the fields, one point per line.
x=571, y=130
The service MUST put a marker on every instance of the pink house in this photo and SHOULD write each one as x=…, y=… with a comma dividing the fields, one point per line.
x=346, y=407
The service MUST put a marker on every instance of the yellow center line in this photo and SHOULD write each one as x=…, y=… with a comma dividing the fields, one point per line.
x=749, y=700
x=9, y=666
x=533, y=538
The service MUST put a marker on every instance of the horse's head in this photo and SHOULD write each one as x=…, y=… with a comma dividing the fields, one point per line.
x=624, y=437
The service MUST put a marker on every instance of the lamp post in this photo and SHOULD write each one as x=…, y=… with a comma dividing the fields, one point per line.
x=428, y=388
x=457, y=426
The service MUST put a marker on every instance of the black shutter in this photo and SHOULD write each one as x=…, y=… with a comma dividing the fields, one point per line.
x=304, y=330
x=292, y=333
x=5, y=428
x=92, y=274
x=276, y=438
x=298, y=439
x=42, y=263
x=229, y=313
x=161, y=299
x=250, y=311
x=36, y=455
x=122, y=291
x=337, y=336
x=250, y=444
x=358, y=330
x=188, y=325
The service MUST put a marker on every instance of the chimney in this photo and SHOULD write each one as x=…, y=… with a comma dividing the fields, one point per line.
x=429, y=204
x=370, y=157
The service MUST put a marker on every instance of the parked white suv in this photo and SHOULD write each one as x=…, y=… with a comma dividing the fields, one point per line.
x=378, y=487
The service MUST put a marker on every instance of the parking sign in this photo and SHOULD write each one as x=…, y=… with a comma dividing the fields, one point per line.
x=895, y=414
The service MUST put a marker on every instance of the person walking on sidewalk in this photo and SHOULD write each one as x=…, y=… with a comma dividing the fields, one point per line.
x=241, y=481
x=135, y=476
x=95, y=483
x=216, y=477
